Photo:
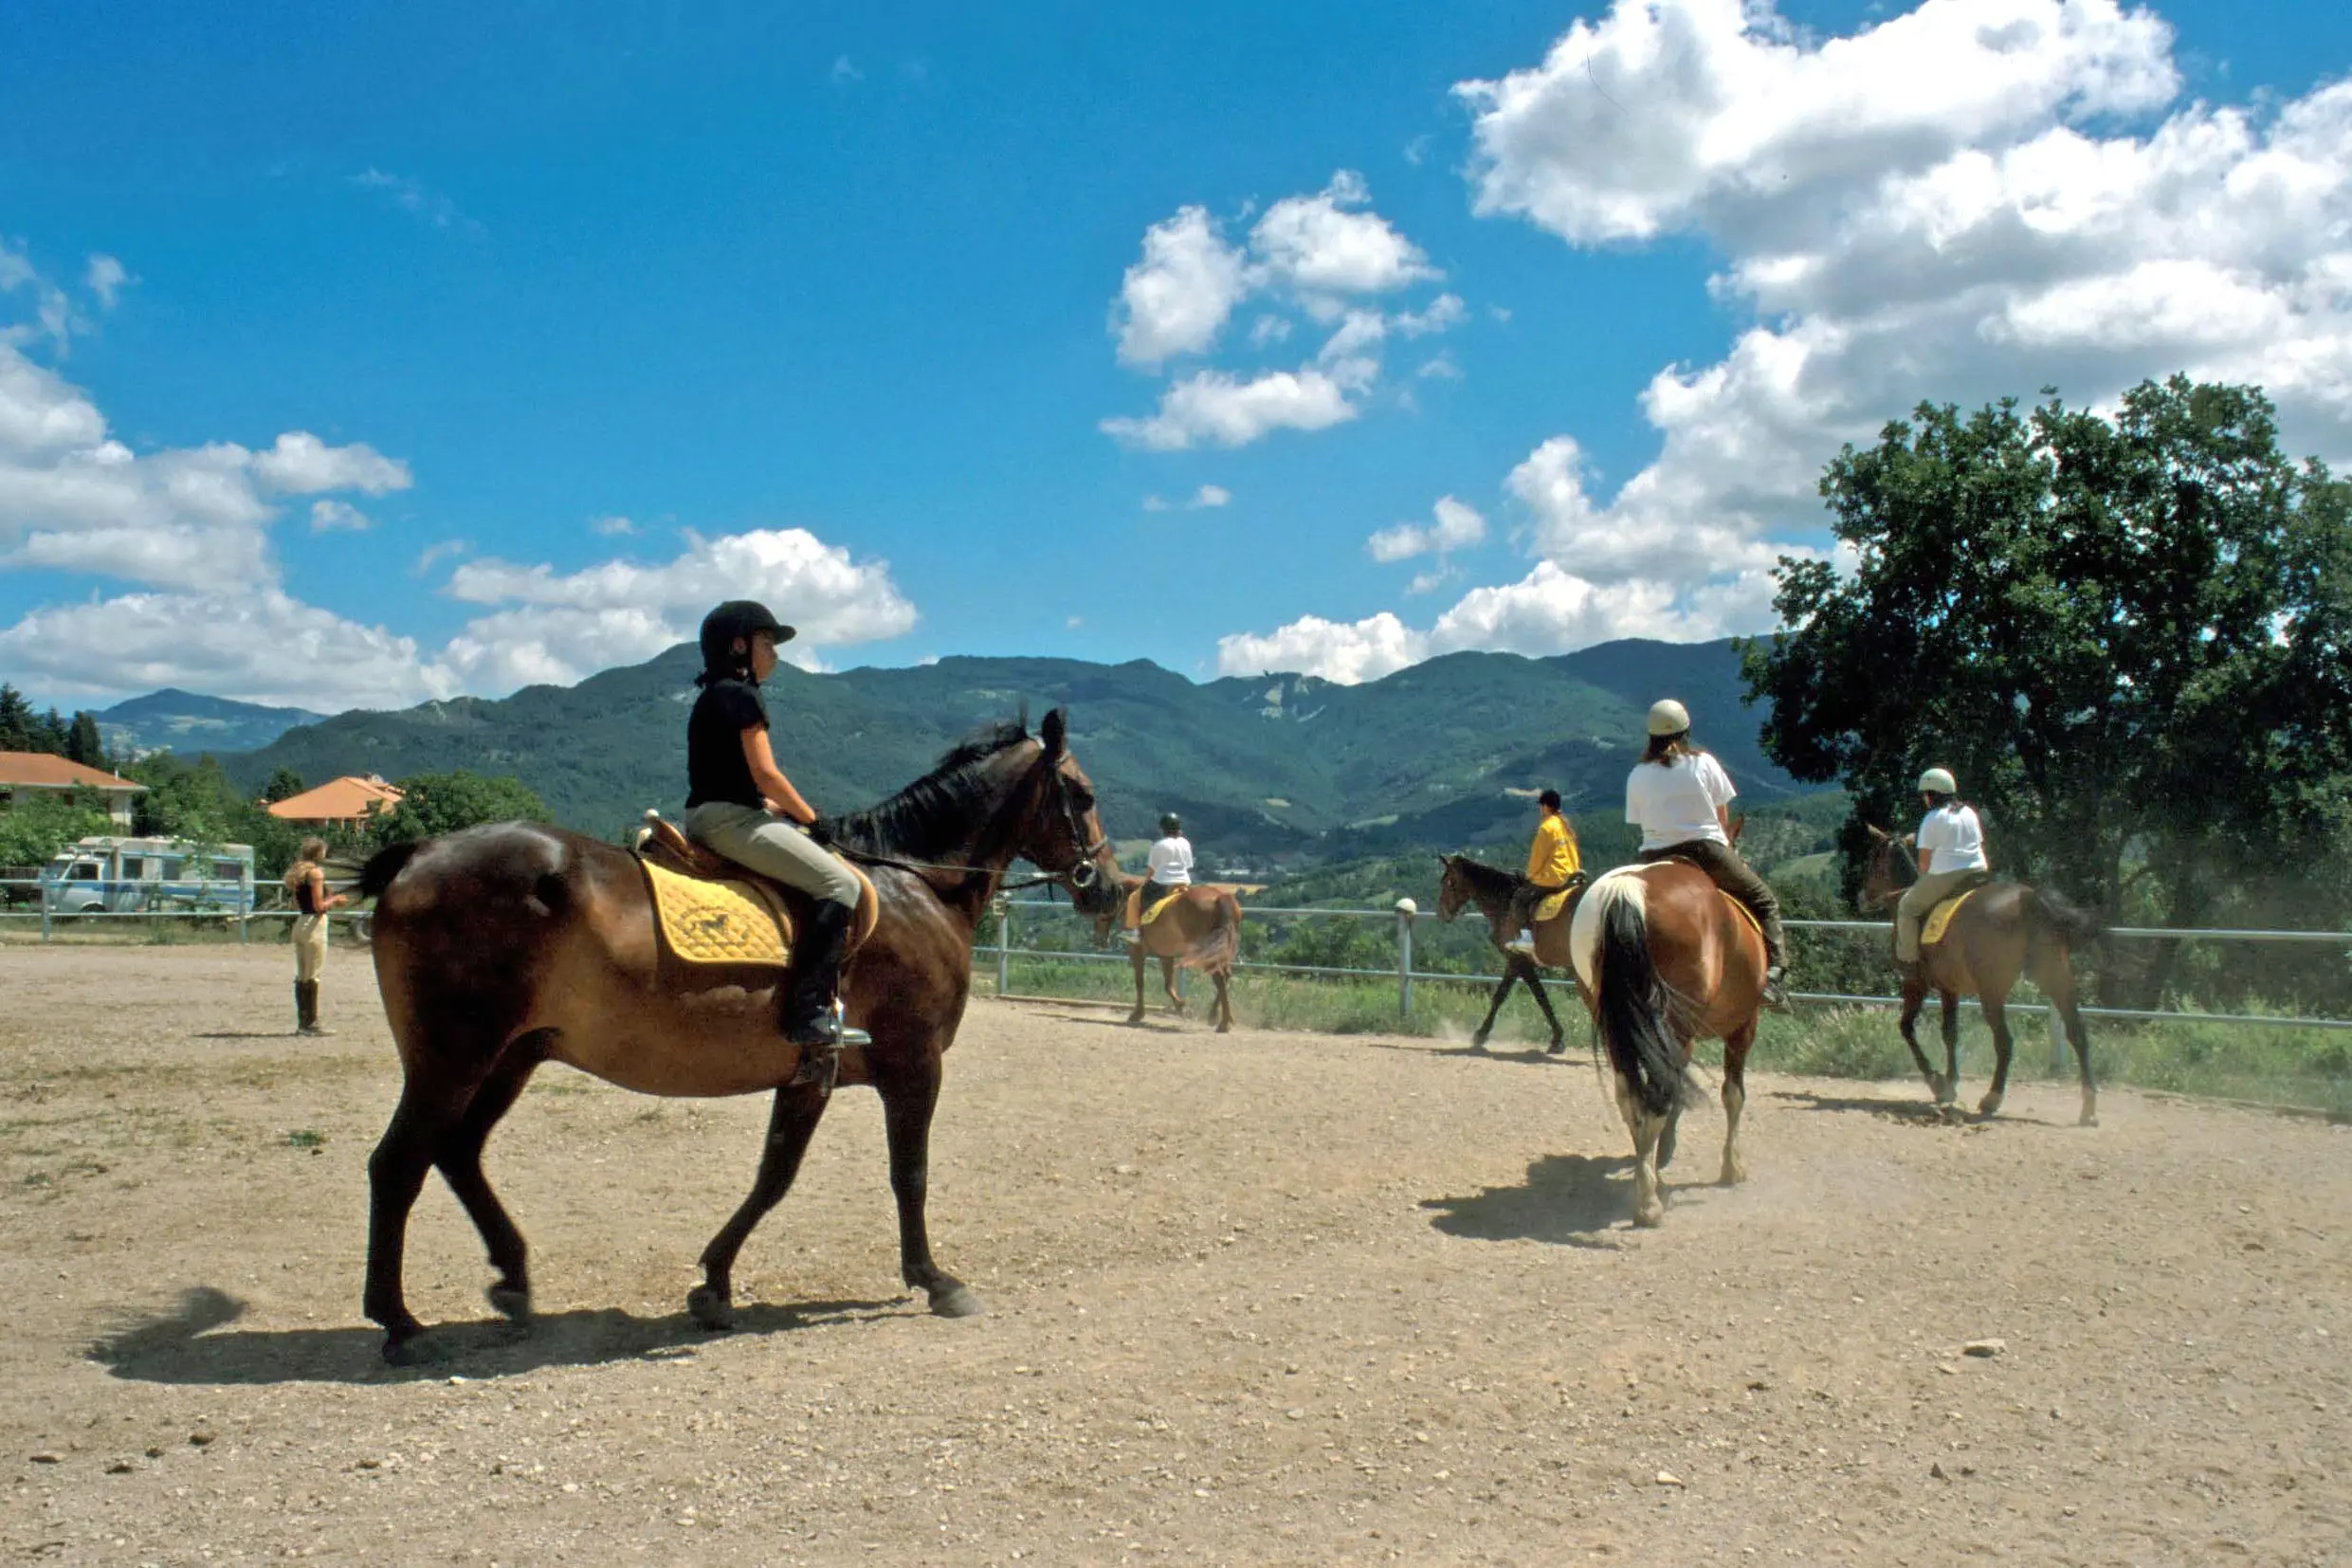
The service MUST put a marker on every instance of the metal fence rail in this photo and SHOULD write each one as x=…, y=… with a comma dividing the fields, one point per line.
x=1407, y=975
x=232, y=911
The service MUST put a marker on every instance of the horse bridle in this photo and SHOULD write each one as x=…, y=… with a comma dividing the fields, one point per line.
x=1082, y=873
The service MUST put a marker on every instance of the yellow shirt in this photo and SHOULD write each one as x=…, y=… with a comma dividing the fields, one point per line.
x=1552, y=858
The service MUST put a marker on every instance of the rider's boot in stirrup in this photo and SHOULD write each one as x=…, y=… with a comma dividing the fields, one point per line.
x=809, y=1015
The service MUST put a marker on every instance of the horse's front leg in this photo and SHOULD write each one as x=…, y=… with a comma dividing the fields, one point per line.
x=1950, y=1000
x=1914, y=998
x=1135, y=958
x=792, y=1122
x=909, y=1090
x=1167, y=983
x=1494, y=1008
x=1735, y=1098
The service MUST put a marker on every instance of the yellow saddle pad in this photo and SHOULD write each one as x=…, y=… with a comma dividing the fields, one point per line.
x=1549, y=909
x=1157, y=905
x=718, y=923
x=1941, y=916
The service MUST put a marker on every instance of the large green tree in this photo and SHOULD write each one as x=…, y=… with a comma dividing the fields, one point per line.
x=2126, y=632
x=442, y=802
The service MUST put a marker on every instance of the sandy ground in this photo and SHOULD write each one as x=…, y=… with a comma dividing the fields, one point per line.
x=1264, y=1298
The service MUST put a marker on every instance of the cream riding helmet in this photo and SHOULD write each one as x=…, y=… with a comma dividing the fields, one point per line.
x=1938, y=781
x=1668, y=718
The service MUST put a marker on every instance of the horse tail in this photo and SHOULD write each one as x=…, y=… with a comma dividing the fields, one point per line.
x=1222, y=950
x=1632, y=1004
x=2050, y=913
x=384, y=866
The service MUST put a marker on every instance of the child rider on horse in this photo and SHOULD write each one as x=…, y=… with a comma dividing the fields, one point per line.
x=1951, y=847
x=1677, y=795
x=739, y=804
x=1168, y=867
x=1553, y=862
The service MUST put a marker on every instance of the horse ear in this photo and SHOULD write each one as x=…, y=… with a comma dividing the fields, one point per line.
x=1055, y=732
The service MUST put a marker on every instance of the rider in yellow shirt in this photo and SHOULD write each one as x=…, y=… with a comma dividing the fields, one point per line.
x=1552, y=865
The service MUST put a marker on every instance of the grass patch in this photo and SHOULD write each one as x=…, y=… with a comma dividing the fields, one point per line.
x=2309, y=1068
x=306, y=1138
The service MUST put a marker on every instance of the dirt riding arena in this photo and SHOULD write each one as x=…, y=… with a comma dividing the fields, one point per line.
x=1257, y=1299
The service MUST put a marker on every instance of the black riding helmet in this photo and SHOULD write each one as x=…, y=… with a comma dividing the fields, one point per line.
x=734, y=619
x=1168, y=823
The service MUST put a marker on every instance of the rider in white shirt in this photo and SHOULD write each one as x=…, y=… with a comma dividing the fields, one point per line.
x=1678, y=795
x=1169, y=866
x=1951, y=845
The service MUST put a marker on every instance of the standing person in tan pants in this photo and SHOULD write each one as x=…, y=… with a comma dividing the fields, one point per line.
x=308, y=881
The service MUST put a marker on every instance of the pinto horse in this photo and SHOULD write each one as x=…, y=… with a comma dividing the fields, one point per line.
x=1200, y=930
x=1665, y=957
x=498, y=948
x=1491, y=888
x=2005, y=930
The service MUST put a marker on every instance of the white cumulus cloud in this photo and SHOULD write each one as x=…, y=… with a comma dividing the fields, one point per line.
x=1176, y=300
x=1458, y=527
x=1210, y=495
x=1212, y=408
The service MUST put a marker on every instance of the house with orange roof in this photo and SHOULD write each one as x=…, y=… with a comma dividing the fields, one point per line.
x=22, y=772
x=346, y=802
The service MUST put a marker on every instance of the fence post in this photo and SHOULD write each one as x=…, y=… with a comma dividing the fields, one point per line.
x=1004, y=944
x=1406, y=909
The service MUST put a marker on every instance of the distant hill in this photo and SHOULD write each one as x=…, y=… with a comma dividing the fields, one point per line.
x=1278, y=770
x=188, y=721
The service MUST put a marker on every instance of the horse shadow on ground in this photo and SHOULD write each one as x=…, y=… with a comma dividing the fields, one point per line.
x=246, y=1034
x=1531, y=1056
x=1906, y=1112
x=1150, y=1025
x=187, y=1346
x=1567, y=1200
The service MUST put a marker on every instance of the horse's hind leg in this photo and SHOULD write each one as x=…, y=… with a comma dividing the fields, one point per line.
x=2056, y=982
x=1224, y=979
x=1735, y=1098
x=459, y=1159
x=792, y=1122
x=1168, y=984
x=1135, y=956
x=911, y=1090
x=425, y=1117
x=1649, y=1207
x=1533, y=979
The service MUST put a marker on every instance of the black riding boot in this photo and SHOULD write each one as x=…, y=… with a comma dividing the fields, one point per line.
x=306, y=1007
x=807, y=1015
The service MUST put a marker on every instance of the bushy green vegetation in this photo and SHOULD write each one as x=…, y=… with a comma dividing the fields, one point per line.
x=432, y=804
x=41, y=822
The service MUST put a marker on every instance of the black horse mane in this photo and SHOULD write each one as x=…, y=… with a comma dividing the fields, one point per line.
x=1488, y=879
x=933, y=816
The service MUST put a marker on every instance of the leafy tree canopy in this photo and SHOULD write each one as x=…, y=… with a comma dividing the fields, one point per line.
x=39, y=823
x=432, y=804
x=284, y=785
x=2127, y=634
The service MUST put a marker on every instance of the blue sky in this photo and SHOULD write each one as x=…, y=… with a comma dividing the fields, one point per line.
x=361, y=354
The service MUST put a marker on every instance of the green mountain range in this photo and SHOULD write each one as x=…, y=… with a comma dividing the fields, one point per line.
x=1273, y=771
x=190, y=723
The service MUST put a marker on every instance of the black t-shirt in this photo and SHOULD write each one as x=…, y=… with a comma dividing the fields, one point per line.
x=714, y=765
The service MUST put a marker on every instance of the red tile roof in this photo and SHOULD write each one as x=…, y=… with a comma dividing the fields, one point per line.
x=350, y=798
x=39, y=770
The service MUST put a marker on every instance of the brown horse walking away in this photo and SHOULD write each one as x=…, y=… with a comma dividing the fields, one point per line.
x=1200, y=930
x=2005, y=930
x=1491, y=888
x=1665, y=957
x=503, y=947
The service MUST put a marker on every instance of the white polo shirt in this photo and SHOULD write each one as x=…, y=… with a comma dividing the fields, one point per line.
x=1171, y=861
x=1676, y=802
x=1951, y=839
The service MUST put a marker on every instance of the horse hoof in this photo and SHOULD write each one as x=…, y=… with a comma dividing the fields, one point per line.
x=1944, y=1089
x=1650, y=1218
x=1135, y=1018
x=1556, y=1047
x=955, y=1301
x=1734, y=1175
x=1989, y=1105
x=2089, y=1117
x=1225, y=1029
x=511, y=1303
x=416, y=1350
x=710, y=1310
